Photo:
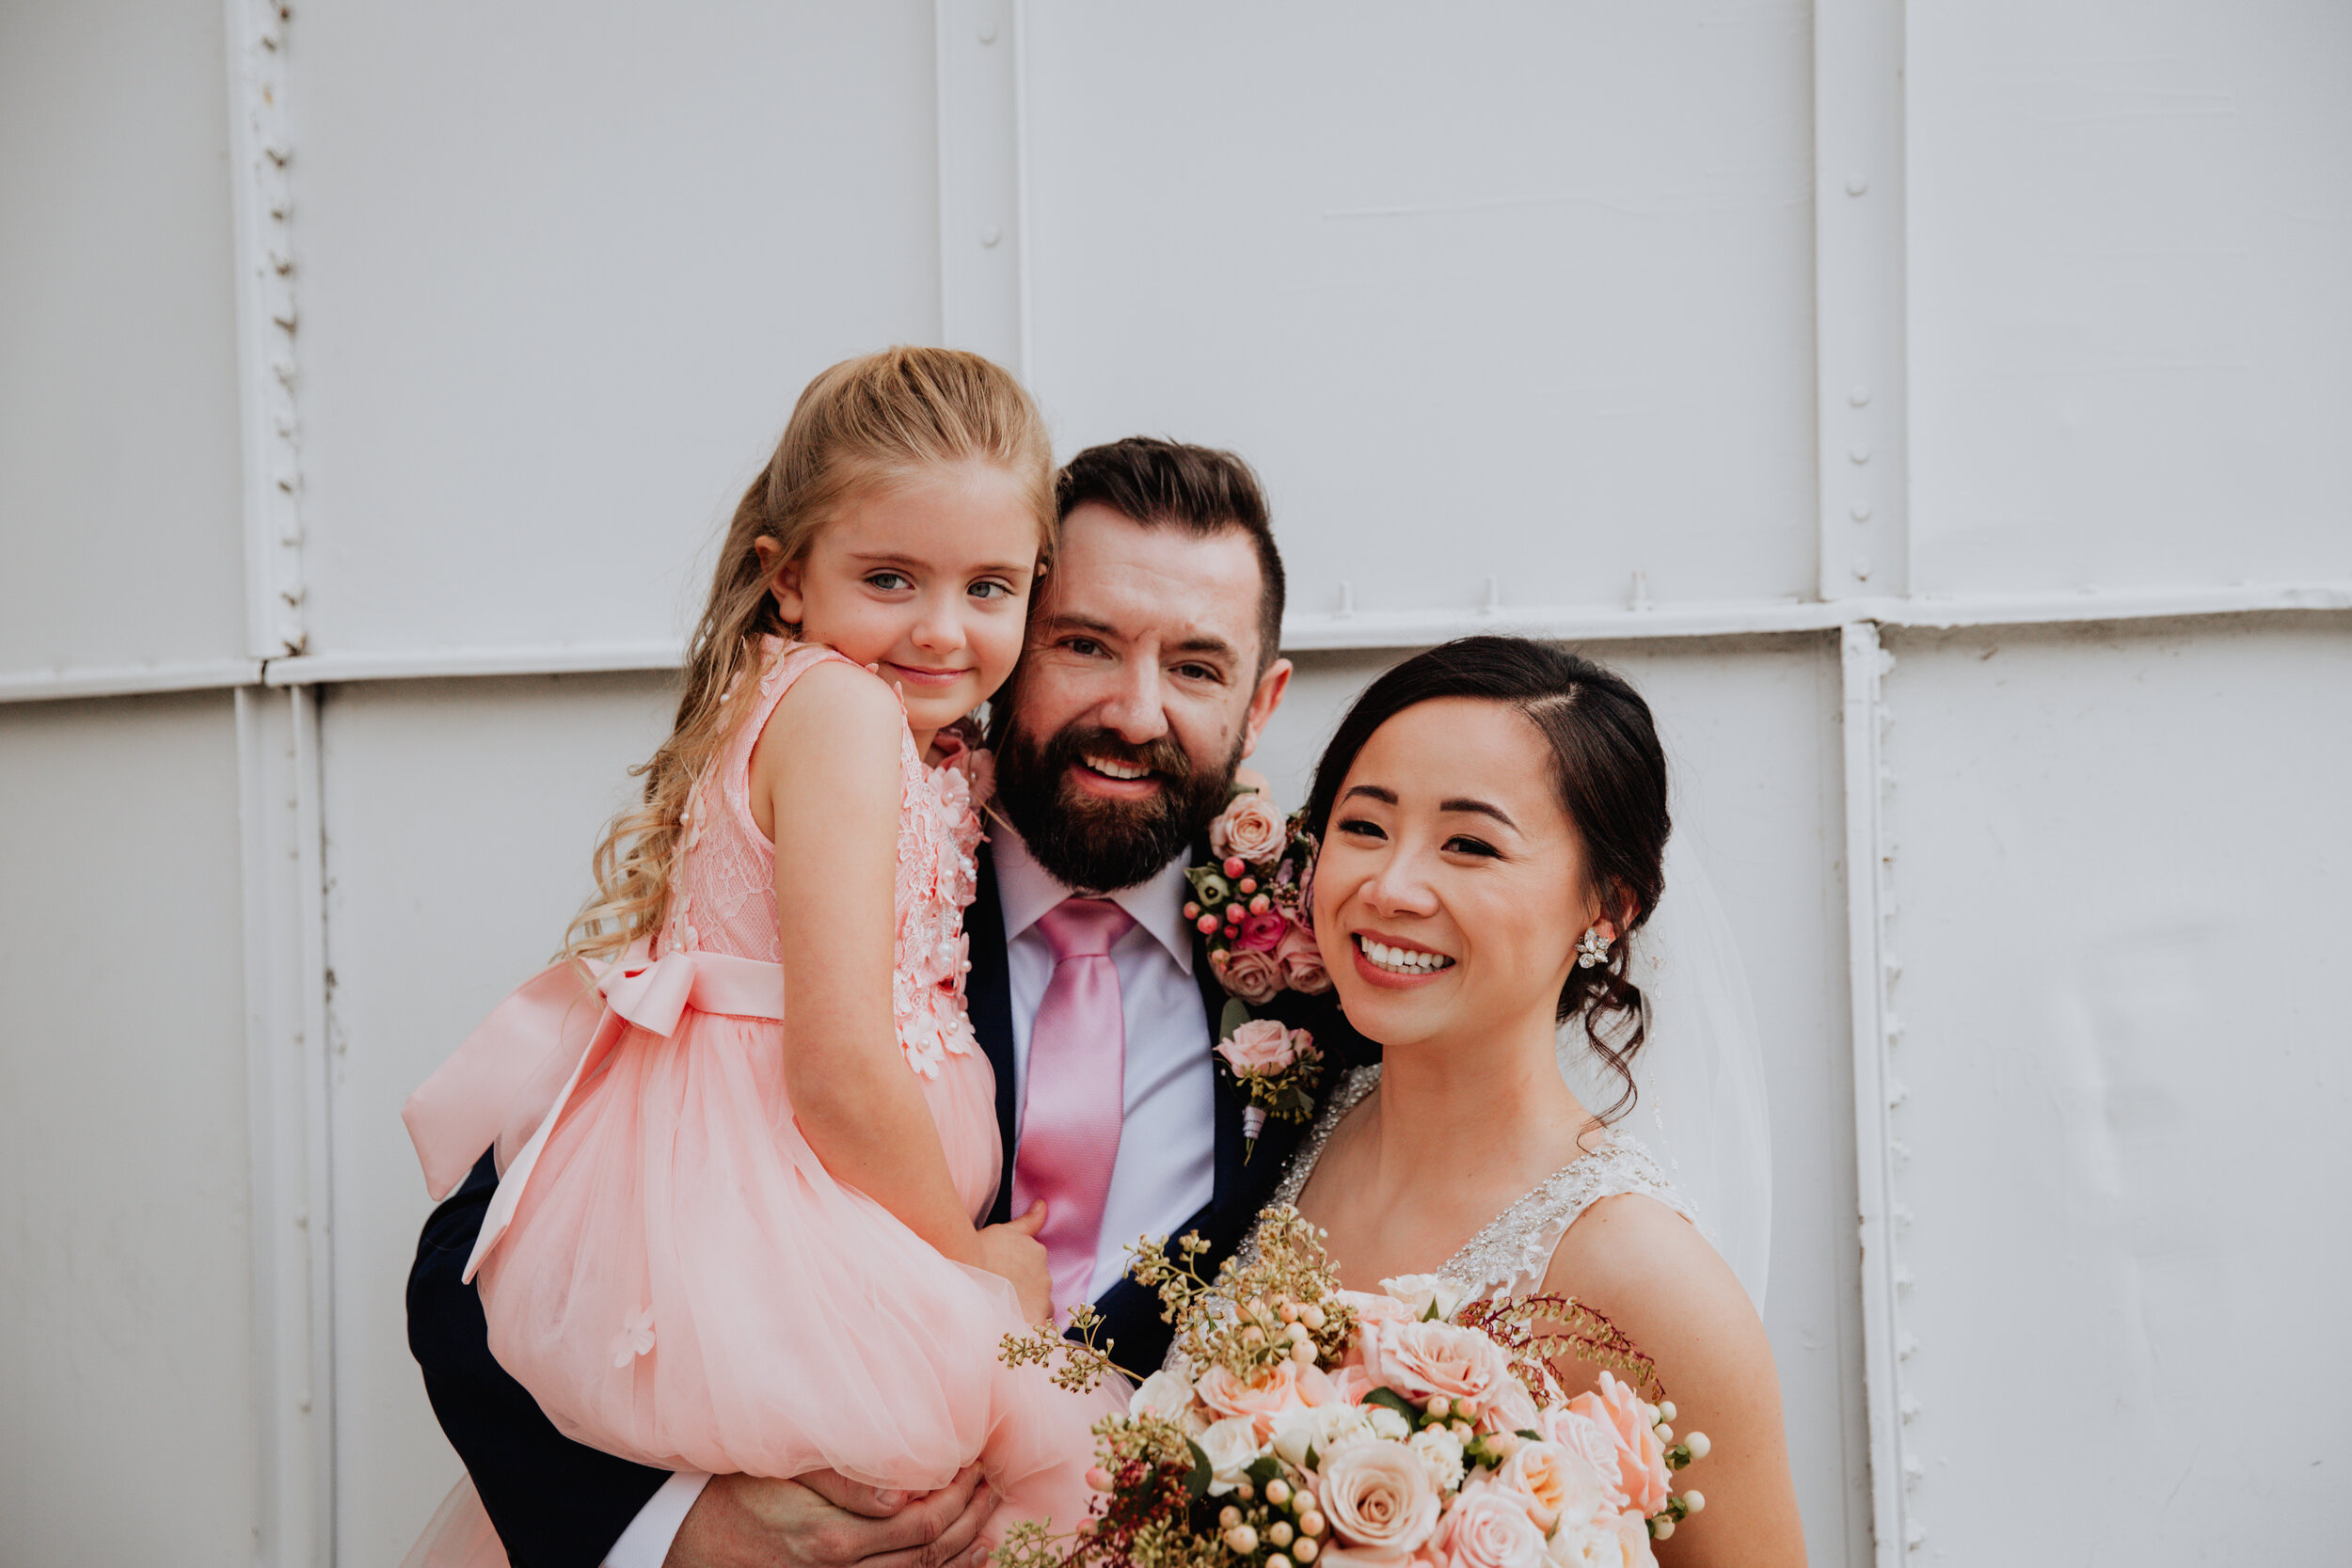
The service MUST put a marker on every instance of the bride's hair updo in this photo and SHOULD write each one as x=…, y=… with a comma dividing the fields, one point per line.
x=1611, y=773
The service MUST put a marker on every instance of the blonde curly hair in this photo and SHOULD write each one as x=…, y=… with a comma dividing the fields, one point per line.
x=865, y=423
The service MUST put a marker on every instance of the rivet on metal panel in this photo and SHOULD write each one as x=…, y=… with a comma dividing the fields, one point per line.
x=1899, y=1149
x=1910, y=1408
x=1856, y=185
x=1915, y=1535
x=1903, y=1216
x=303, y=1405
x=1862, y=568
x=1859, y=512
x=1859, y=397
x=1897, y=1092
x=1859, y=454
x=302, y=1219
x=1906, y=1345
x=988, y=32
x=1913, y=1467
x=991, y=235
x=1904, y=1279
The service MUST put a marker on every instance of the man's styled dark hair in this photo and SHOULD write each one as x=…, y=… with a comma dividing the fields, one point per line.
x=1199, y=489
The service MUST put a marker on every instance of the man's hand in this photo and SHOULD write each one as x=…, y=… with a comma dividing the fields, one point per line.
x=1012, y=1251
x=824, y=1521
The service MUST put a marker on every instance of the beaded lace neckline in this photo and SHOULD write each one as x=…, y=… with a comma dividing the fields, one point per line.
x=1512, y=1253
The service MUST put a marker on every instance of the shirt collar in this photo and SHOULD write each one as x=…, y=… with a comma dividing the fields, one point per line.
x=1026, y=890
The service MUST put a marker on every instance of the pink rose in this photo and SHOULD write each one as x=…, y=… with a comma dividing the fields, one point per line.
x=1302, y=963
x=1262, y=1396
x=1262, y=1047
x=1262, y=933
x=1378, y=1498
x=1489, y=1529
x=1640, y=1472
x=1419, y=1359
x=1249, y=827
x=1255, y=978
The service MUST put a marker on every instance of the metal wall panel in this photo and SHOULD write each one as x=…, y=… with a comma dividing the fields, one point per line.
x=2118, y=860
x=126, y=1347
x=122, y=492
x=2130, y=337
x=1517, y=290
x=1754, y=749
x=460, y=818
x=564, y=275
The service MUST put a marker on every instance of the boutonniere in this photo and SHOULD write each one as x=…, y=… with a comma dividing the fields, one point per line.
x=1276, y=1066
x=1250, y=901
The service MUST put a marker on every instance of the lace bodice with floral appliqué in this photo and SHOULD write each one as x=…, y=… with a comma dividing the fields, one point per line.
x=722, y=894
x=1512, y=1253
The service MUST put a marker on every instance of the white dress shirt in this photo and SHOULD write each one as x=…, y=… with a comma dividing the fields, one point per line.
x=1167, y=1167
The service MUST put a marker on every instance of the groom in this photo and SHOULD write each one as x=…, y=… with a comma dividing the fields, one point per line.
x=1151, y=670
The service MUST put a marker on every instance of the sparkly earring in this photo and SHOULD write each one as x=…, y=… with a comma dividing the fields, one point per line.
x=1593, y=951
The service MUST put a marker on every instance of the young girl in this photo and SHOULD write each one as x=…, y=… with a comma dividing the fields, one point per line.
x=744, y=1127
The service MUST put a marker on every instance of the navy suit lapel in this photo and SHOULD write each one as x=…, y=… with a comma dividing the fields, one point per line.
x=988, y=995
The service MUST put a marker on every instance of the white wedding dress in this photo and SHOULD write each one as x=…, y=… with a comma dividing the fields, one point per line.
x=1512, y=1253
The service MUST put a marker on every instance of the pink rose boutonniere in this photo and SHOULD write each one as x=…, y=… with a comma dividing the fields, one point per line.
x=1249, y=900
x=1274, y=1065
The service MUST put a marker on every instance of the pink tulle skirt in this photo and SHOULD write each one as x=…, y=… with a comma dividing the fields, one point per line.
x=684, y=1284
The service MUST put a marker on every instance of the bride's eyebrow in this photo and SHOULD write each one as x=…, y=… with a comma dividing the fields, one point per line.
x=1381, y=793
x=1481, y=808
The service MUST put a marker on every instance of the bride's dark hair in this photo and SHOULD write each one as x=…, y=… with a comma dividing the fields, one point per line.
x=1611, y=773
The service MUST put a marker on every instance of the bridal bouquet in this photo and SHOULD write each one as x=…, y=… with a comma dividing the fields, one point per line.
x=1322, y=1428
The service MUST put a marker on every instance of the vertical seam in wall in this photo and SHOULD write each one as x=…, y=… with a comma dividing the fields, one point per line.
x=1877, y=1092
x=310, y=907
x=262, y=209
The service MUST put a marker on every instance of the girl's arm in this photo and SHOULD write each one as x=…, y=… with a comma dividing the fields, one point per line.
x=825, y=786
x=1652, y=1274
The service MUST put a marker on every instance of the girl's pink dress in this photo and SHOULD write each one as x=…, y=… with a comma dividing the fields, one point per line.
x=668, y=1269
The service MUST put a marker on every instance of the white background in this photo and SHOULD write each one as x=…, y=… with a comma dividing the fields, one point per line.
x=1937, y=409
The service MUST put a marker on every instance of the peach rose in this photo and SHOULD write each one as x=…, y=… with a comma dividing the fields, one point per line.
x=1640, y=1457
x=1380, y=1497
x=1372, y=1309
x=1561, y=1484
x=1262, y=1396
x=1255, y=978
x=1261, y=1046
x=1249, y=827
x=1604, y=1541
x=1590, y=1440
x=1420, y=1359
x=1489, y=1527
x=1349, y=1385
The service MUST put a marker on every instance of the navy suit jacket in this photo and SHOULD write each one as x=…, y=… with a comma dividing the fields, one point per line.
x=561, y=1504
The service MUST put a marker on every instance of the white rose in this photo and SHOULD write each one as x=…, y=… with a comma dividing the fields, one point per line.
x=1232, y=1445
x=1388, y=1423
x=1422, y=1292
x=1442, y=1452
x=1165, y=1395
x=1324, y=1428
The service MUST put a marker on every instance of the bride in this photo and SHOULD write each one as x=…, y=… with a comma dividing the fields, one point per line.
x=1493, y=824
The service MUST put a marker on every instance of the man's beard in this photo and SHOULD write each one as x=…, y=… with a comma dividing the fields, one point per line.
x=1097, y=844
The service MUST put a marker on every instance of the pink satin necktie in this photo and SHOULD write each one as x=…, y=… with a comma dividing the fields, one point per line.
x=1075, y=1098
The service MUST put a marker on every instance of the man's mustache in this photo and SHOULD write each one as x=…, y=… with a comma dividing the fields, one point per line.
x=1160, y=756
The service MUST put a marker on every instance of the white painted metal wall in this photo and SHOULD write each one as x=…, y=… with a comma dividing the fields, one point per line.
x=371, y=378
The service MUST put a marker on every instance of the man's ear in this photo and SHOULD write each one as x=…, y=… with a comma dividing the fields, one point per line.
x=1262, y=702
x=783, y=578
